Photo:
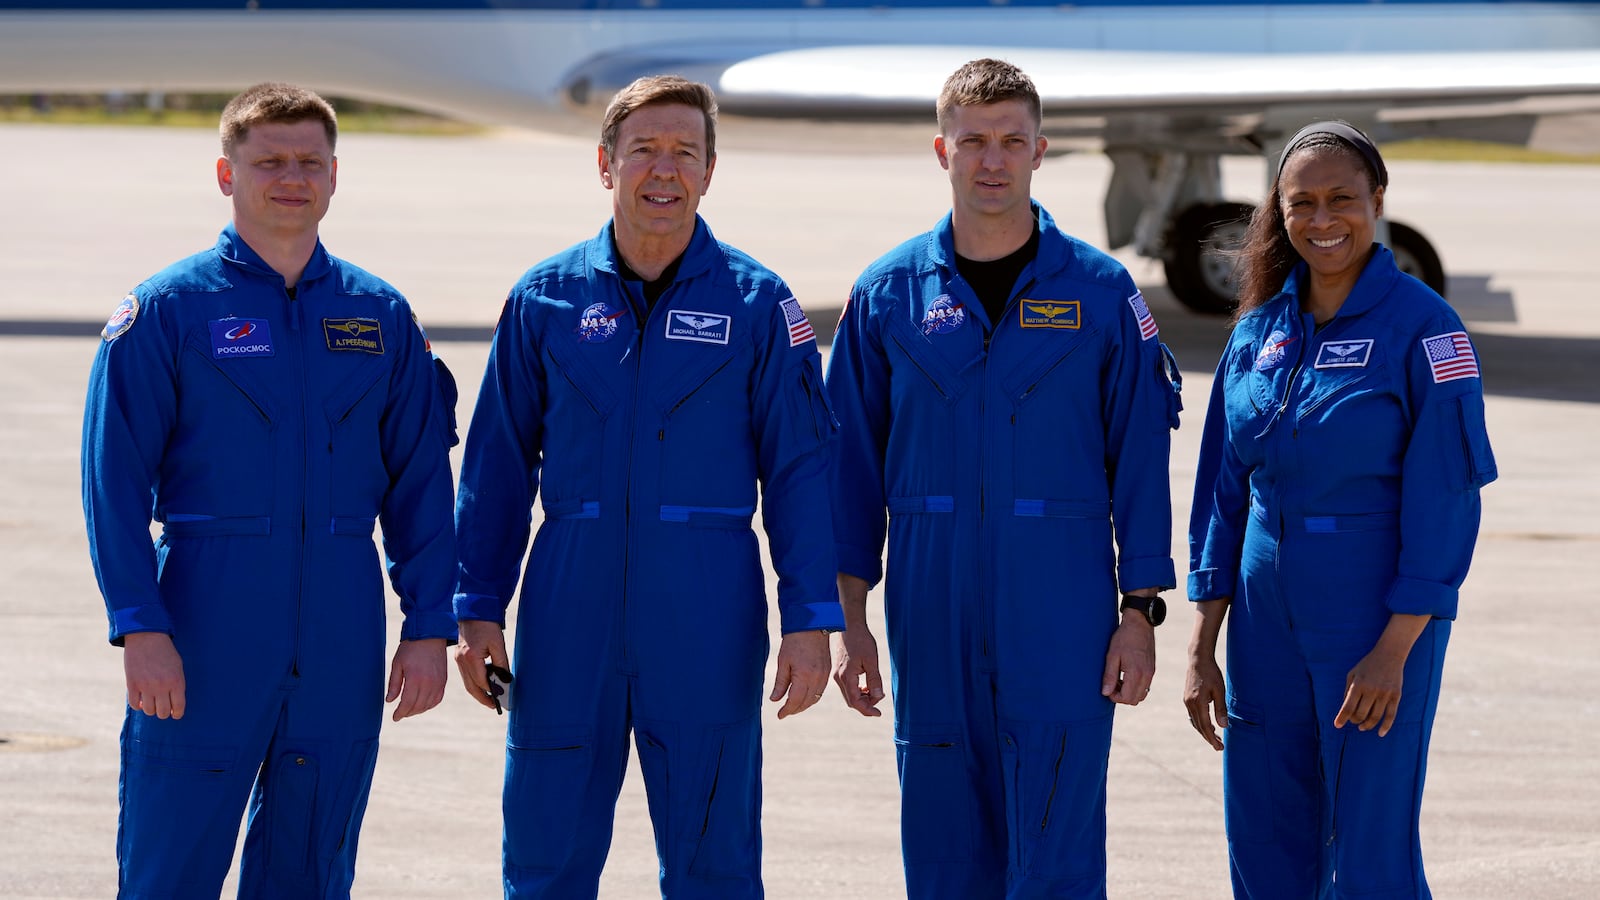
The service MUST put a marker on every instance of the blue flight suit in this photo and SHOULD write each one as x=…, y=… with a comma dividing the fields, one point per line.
x=1337, y=484
x=998, y=451
x=643, y=606
x=266, y=435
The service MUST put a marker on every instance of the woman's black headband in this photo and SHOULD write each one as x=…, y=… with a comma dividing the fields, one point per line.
x=1346, y=133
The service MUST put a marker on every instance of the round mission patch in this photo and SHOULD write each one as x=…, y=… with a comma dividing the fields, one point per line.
x=122, y=318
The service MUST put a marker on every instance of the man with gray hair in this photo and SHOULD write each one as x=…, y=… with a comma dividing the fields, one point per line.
x=644, y=383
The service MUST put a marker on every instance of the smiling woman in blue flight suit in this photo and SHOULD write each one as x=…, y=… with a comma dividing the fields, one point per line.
x=1335, y=511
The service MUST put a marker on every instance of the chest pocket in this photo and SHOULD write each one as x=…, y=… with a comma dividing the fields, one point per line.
x=706, y=437
x=1058, y=435
x=1250, y=401
x=933, y=368
x=577, y=407
x=221, y=461
x=357, y=480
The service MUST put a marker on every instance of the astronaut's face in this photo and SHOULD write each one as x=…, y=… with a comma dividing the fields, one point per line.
x=657, y=173
x=991, y=151
x=1330, y=210
x=280, y=178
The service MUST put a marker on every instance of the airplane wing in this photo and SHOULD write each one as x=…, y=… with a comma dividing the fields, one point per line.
x=1087, y=91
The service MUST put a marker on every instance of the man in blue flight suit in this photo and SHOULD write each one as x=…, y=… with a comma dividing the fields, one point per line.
x=267, y=403
x=1004, y=410
x=643, y=383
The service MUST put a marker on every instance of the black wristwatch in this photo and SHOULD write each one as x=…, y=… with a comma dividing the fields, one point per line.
x=1154, y=608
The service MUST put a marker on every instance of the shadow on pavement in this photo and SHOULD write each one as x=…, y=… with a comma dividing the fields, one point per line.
x=1541, y=367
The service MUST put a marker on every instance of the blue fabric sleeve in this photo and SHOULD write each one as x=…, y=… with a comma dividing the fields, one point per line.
x=1447, y=460
x=794, y=430
x=1221, y=503
x=1137, y=398
x=499, y=470
x=130, y=412
x=858, y=384
x=418, y=532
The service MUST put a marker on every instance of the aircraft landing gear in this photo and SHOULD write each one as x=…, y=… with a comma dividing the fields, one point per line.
x=1198, y=265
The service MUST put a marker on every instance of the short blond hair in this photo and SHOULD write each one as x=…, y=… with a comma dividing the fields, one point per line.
x=985, y=81
x=659, y=90
x=274, y=102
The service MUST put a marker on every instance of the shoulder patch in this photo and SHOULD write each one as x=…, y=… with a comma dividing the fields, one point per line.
x=122, y=317
x=1450, y=356
x=800, y=329
x=1141, y=311
x=427, y=345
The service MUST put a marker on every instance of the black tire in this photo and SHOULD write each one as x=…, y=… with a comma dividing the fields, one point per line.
x=1415, y=256
x=1199, y=268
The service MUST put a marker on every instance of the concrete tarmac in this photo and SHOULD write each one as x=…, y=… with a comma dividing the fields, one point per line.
x=1513, y=800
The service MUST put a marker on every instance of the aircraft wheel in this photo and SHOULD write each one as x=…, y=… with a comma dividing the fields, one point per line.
x=1199, y=269
x=1415, y=256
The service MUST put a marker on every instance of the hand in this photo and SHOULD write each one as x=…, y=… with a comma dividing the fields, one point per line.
x=154, y=673
x=1372, y=688
x=1130, y=660
x=1372, y=694
x=417, y=677
x=1205, y=695
x=802, y=671
x=481, y=641
x=855, y=670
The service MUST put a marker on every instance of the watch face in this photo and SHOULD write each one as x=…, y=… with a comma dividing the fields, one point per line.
x=1158, y=611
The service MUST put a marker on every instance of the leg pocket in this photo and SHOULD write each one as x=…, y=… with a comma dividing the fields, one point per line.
x=179, y=802
x=546, y=779
x=729, y=808
x=936, y=805
x=285, y=812
x=1059, y=814
x=1246, y=780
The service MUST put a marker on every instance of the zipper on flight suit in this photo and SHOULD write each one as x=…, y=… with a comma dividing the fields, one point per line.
x=649, y=310
x=1283, y=407
x=296, y=314
x=985, y=605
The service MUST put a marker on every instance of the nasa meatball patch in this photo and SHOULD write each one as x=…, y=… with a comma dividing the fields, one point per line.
x=121, y=318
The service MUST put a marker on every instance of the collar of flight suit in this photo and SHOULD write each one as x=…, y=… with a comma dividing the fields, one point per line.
x=232, y=248
x=1052, y=244
x=698, y=257
x=1374, y=283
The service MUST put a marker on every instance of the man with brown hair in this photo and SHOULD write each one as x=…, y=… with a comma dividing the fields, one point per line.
x=644, y=384
x=268, y=403
x=1003, y=400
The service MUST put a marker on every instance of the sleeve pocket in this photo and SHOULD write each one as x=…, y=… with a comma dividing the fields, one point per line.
x=1480, y=466
x=1172, y=378
x=821, y=410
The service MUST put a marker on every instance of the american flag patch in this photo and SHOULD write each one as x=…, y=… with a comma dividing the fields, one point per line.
x=799, y=326
x=1450, y=356
x=1147, y=323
